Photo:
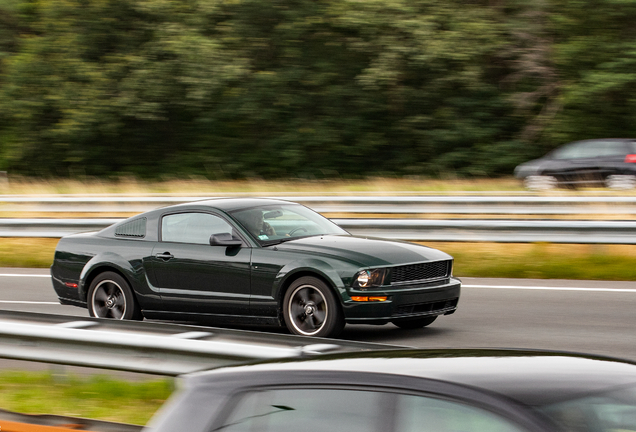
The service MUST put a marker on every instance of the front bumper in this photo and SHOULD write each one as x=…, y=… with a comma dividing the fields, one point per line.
x=403, y=302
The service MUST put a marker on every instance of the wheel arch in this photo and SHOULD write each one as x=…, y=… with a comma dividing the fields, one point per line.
x=97, y=266
x=320, y=270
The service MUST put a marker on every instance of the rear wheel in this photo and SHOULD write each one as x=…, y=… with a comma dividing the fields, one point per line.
x=620, y=182
x=414, y=323
x=311, y=309
x=110, y=296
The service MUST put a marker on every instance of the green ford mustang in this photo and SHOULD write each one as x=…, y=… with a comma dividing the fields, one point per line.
x=252, y=261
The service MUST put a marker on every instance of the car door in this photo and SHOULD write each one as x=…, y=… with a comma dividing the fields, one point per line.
x=612, y=156
x=576, y=163
x=194, y=277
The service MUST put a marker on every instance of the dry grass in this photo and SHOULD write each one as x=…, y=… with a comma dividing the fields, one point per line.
x=16, y=185
x=27, y=252
x=543, y=260
x=131, y=186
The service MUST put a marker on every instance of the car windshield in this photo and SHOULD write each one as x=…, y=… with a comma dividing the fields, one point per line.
x=277, y=223
x=611, y=411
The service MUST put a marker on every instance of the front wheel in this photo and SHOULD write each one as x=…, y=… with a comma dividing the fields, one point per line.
x=311, y=309
x=414, y=323
x=110, y=296
x=540, y=182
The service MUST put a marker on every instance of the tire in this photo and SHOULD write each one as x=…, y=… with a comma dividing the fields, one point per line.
x=540, y=182
x=620, y=182
x=311, y=309
x=414, y=323
x=110, y=296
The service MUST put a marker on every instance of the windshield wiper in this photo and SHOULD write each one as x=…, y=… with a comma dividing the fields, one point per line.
x=286, y=239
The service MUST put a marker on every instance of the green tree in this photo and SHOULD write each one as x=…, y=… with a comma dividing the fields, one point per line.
x=311, y=88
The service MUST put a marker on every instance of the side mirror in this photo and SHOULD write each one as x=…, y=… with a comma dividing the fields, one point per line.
x=225, y=239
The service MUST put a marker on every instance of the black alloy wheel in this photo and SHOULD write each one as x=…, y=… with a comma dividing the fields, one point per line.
x=110, y=296
x=310, y=309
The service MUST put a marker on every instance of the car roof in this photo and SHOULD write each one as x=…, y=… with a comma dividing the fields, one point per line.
x=531, y=377
x=226, y=205
x=603, y=140
x=232, y=204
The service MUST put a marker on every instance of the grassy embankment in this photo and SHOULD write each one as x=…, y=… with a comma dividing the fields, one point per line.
x=537, y=260
x=98, y=397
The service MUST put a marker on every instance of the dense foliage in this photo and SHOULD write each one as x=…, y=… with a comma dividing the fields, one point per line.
x=309, y=88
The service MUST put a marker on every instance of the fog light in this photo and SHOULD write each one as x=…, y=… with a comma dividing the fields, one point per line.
x=368, y=299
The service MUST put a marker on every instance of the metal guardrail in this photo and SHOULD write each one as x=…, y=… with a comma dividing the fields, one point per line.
x=403, y=228
x=470, y=230
x=51, y=228
x=150, y=347
x=470, y=204
x=499, y=231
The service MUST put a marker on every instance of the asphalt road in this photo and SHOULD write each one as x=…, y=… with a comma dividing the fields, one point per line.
x=585, y=316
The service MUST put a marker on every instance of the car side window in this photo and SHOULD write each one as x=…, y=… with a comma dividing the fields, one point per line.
x=195, y=228
x=290, y=410
x=590, y=149
x=424, y=414
x=611, y=148
x=577, y=150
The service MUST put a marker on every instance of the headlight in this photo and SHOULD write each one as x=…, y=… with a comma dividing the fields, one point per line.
x=369, y=278
x=526, y=169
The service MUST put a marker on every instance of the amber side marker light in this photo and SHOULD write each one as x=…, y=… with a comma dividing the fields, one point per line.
x=368, y=299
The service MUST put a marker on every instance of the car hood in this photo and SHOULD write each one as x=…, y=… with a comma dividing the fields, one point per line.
x=528, y=168
x=364, y=251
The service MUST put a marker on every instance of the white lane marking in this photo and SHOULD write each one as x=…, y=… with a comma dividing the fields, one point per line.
x=24, y=275
x=548, y=288
x=28, y=302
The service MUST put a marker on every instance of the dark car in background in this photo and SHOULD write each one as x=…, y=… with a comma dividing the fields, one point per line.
x=598, y=162
x=252, y=261
x=410, y=391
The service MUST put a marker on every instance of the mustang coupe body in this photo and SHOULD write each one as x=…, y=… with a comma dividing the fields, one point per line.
x=252, y=261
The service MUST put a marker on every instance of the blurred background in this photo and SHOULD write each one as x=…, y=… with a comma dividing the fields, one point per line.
x=309, y=89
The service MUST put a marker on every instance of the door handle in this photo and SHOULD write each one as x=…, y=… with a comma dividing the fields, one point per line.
x=165, y=256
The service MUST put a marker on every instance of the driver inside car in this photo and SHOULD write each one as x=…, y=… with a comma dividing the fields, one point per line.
x=253, y=221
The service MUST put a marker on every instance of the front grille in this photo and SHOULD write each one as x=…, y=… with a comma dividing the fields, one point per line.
x=431, y=308
x=421, y=272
